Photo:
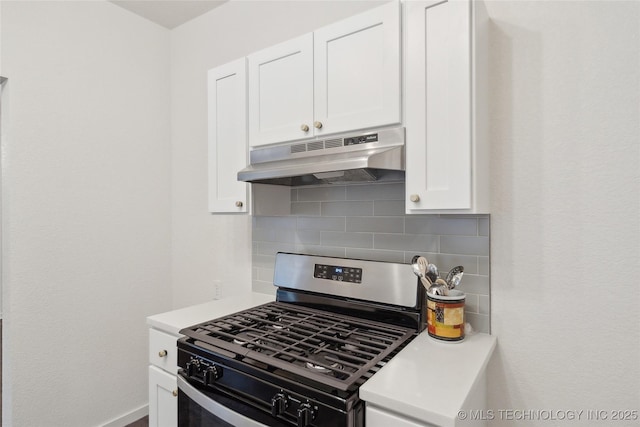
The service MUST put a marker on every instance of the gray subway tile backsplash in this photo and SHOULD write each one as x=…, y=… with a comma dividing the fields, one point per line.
x=377, y=224
x=483, y=304
x=347, y=240
x=308, y=237
x=483, y=227
x=429, y=224
x=280, y=222
x=376, y=255
x=478, y=245
x=483, y=265
x=271, y=248
x=321, y=194
x=332, y=251
x=446, y=262
x=388, y=207
x=406, y=242
x=376, y=192
x=347, y=208
x=471, y=304
x=369, y=222
x=475, y=284
x=322, y=224
x=306, y=208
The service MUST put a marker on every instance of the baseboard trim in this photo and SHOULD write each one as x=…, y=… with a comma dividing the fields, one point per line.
x=127, y=419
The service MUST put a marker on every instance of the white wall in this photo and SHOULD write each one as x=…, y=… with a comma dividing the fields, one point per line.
x=565, y=236
x=208, y=248
x=86, y=209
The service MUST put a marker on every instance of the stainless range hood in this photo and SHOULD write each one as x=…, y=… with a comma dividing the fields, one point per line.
x=358, y=157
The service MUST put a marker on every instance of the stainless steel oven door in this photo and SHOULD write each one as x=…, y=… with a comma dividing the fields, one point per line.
x=202, y=407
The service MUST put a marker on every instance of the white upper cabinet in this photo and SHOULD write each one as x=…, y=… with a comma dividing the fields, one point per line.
x=446, y=146
x=281, y=92
x=343, y=77
x=357, y=72
x=227, y=89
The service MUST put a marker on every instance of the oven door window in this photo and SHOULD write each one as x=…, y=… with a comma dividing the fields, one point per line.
x=200, y=408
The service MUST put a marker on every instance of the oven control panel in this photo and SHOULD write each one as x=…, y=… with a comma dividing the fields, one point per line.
x=338, y=273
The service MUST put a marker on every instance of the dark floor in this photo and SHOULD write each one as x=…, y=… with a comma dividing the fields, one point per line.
x=142, y=422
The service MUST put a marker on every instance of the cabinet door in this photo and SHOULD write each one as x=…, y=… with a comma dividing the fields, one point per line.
x=357, y=71
x=163, y=402
x=227, y=97
x=281, y=92
x=438, y=105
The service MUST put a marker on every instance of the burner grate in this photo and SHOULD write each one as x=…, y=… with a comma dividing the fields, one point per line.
x=333, y=349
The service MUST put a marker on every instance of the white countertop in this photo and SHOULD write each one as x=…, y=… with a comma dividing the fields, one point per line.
x=173, y=321
x=430, y=380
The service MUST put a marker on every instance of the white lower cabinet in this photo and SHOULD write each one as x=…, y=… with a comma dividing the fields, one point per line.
x=447, y=168
x=377, y=417
x=163, y=388
x=163, y=402
x=162, y=350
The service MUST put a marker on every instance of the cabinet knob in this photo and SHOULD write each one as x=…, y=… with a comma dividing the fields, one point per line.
x=239, y=204
x=175, y=393
x=317, y=125
x=304, y=128
x=162, y=353
x=414, y=198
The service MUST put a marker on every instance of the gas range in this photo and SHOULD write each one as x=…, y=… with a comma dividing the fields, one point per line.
x=300, y=360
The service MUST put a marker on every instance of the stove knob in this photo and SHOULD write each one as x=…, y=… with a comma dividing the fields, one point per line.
x=193, y=367
x=279, y=404
x=212, y=374
x=305, y=414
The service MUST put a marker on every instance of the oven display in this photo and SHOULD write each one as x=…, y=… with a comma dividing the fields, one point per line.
x=339, y=274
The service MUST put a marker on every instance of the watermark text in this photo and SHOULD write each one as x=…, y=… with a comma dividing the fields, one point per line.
x=549, y=415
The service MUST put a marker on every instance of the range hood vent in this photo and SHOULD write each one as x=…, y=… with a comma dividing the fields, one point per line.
x=354, y=158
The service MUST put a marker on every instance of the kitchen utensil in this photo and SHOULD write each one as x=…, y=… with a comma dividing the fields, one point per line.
x=432, y=272
x=423, y=264
x=437, y=290
x=455, y=280
x=454, y=276
x=439, y=287
x=418, y=270
x=445, y=288
x=441, y=282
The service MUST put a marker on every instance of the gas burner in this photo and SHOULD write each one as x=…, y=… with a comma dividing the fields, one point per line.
x=322, y=369
x=319, y=363
x=351, y=346
x=279, y=326
x=244, y=339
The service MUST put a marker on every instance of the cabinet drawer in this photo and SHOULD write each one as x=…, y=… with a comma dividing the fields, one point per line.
x=163, y=352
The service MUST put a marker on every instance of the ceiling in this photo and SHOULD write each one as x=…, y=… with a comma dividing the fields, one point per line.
x=169, y=13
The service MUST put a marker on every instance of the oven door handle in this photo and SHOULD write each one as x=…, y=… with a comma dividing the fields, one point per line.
x=214, y=407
